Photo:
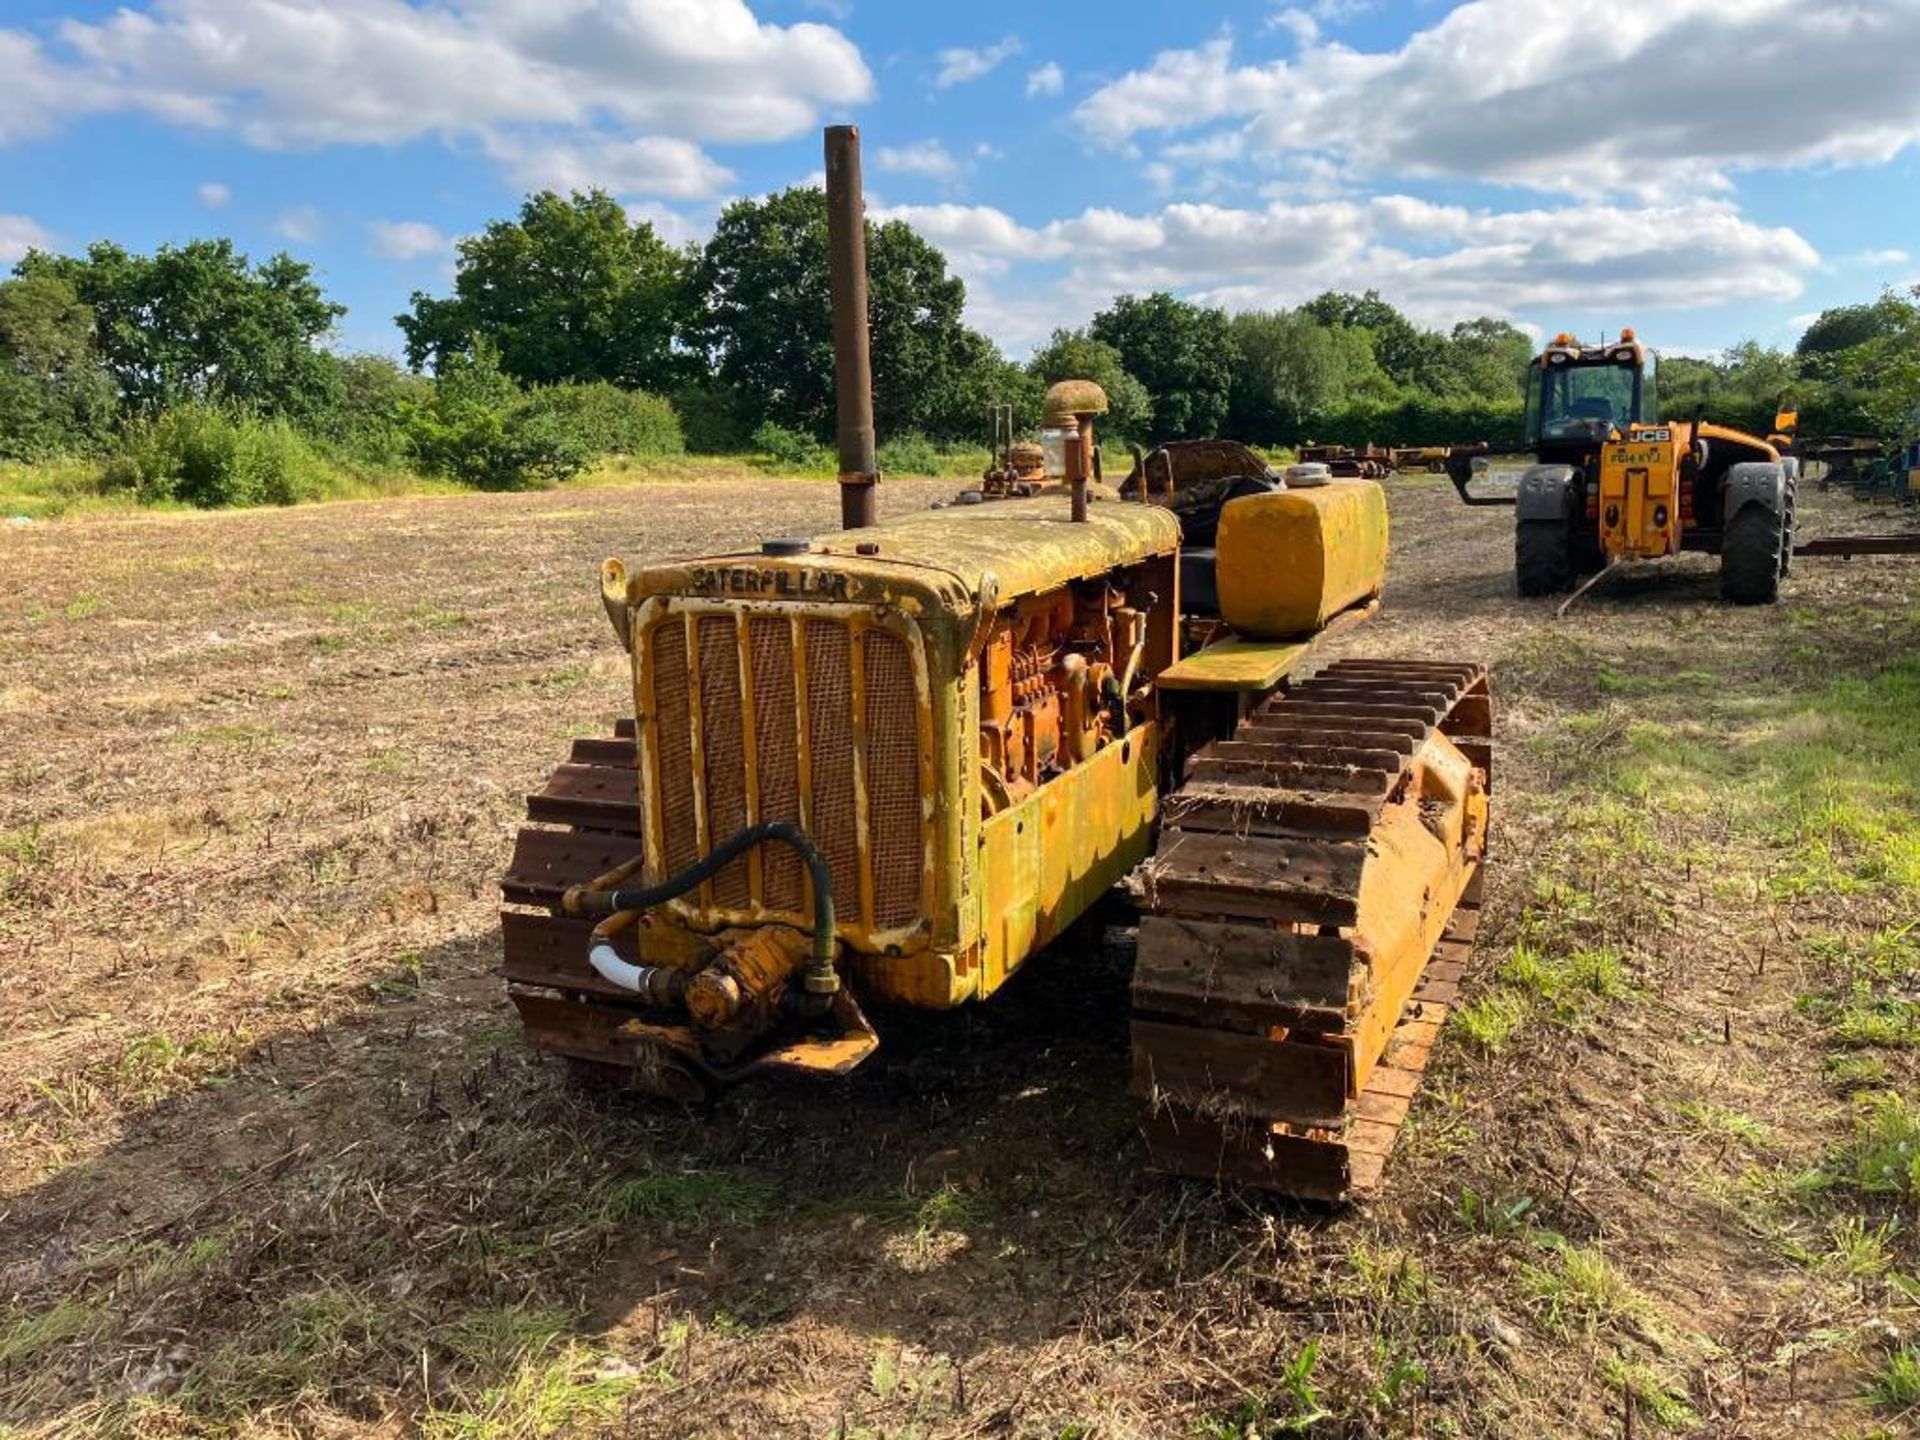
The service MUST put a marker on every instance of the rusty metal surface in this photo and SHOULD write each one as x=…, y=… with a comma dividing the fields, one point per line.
x=1292, y=923
x=1842, y=546
x=569, y=1010
x=847, y=286
x=816, y=714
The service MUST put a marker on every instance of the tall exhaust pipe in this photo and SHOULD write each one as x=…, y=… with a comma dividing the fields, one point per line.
x=852, y=366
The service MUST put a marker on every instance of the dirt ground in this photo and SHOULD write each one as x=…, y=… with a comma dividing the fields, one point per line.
x=277, y=1162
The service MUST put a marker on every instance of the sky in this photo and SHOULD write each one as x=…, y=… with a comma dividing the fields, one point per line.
x=1707, y=171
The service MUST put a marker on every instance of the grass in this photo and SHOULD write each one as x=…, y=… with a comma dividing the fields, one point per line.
x=1708, y=1121
x=1651, y=1393
x=1882, y=1154
x=1859, y=1250
x=1389, y=1274
x=53, y=489
x=26, y=1337
x=1578, y=1288
x=1897, y=1386
x=681, y=1198
x=1537, y=982
x=552, y=1388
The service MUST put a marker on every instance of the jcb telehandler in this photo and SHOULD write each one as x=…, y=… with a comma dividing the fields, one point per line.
x=1612, y=482
x=891, y=762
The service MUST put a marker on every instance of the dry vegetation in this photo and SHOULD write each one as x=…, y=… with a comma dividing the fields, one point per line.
x=276, y=1162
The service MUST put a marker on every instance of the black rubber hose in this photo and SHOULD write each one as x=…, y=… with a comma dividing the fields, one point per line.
x=821, y=979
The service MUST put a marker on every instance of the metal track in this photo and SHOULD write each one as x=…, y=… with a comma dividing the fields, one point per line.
x=1258, y=1020
x=583, y=823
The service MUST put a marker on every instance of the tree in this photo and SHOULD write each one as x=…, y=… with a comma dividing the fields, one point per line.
x=1412, y=357
x=368, y=420
x=1487, y=359
x=1289, y=369
x=1858, y=364
x=1846, y=326
x=201, y=322
x=570, y=291
x=765, y=320
x=1743, y=388
x=477, y=427
x=1881, y=376
x=1181, y=352
x=55, y=396
x=1076, y=355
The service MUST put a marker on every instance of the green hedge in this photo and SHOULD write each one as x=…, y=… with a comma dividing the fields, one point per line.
x=1419, y=422
x=204, y=456
x=610, y=421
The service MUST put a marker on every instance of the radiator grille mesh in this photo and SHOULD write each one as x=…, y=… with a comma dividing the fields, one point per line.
x=675, y=722
x=776, y=747
x=893, y=779
x=723, y=759
x=830, y=755
x=755, y=729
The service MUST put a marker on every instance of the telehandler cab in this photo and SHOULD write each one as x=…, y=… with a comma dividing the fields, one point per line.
x=1612, y=482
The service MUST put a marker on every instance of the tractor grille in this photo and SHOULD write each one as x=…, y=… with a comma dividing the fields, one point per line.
x=731, y=746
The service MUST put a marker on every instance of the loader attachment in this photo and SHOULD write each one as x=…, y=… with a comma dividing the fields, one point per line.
x=1466, y=464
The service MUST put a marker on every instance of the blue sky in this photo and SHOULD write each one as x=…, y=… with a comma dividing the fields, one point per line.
x=1707, y=170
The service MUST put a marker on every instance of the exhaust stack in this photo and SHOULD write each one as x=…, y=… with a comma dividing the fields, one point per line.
x=852, y=365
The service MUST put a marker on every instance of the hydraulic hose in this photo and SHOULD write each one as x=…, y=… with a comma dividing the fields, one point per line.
x=821, y=981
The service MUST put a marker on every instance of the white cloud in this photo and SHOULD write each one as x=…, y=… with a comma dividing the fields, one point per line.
x=302, y=224
x=649, y=165
x=303, y=73
x=37, y=93
x=213, y=194
x=924, y=157
x=1047, y=79
x=960, y=66
x=1586, y=96
x=1879, y=259
x=1439, y=263
x=18, y=235
x=405, y=239
x=671, y=225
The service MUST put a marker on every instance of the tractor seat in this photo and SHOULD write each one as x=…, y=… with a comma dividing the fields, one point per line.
x=1199, y=582
x=1199, y=510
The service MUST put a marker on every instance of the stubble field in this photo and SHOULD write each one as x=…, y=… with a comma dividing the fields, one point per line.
x=274, y=1160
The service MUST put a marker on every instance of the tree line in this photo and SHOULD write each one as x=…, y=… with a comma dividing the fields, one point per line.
x=572, y=331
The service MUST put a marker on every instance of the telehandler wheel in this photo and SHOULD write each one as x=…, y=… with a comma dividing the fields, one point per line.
x=1589, y=555
x=1543, y=556
x=1793, y=507
x=1752, y=556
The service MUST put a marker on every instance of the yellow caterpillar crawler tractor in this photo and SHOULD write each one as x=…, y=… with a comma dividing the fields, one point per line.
x=894, y=761
x=1614, y=483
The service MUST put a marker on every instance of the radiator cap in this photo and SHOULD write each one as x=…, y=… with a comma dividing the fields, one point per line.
x=786, y=546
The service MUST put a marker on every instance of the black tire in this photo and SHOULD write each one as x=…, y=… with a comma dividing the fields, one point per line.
x=1543, y=557
x=1792, y=521
x=1750, y=558
x=1589, y=555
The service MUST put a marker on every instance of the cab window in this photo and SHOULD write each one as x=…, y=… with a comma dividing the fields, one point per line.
x=1585, y=402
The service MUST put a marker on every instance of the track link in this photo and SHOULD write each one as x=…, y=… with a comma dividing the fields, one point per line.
x=582, y=823
x=1281, y=1024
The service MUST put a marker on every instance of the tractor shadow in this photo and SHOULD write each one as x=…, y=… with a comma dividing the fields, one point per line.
x=413, y=1167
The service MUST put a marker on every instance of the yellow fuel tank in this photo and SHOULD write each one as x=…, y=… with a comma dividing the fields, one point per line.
x=1291, y=560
